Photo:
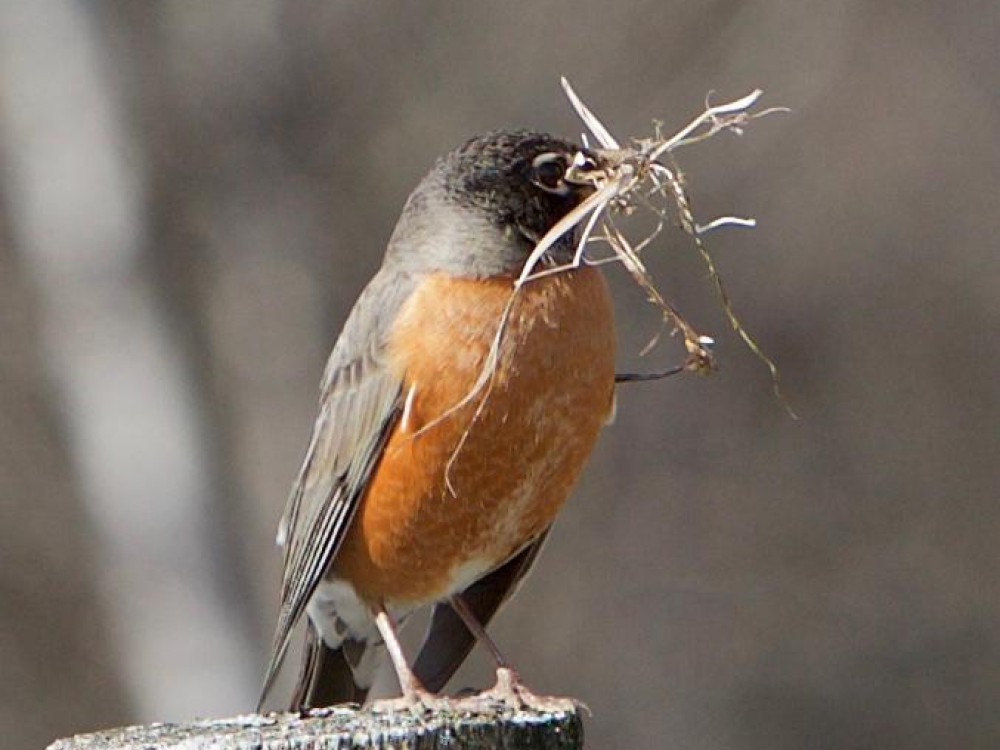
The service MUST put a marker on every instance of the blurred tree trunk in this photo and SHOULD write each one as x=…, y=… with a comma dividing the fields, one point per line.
x=56, y=642
x=135, y=431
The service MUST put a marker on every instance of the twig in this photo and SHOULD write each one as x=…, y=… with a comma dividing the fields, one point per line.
x=634, y=176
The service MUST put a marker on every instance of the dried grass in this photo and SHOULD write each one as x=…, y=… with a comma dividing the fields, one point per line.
x=638, y=178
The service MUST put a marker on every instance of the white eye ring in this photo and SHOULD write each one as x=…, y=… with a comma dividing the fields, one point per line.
x=547, y=172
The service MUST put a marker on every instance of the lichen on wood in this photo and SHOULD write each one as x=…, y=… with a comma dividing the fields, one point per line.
x=346, y=728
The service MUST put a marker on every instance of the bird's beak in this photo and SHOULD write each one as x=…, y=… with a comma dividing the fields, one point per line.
x=590, y=168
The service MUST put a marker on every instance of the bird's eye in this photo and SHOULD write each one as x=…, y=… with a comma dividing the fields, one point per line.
x=548, y=171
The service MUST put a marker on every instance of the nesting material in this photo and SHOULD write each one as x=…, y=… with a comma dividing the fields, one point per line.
x=644, y=175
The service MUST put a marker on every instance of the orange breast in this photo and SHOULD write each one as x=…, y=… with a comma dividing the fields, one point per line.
x=484, y=456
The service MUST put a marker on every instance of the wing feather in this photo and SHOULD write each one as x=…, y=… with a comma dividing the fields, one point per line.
x=360, y=403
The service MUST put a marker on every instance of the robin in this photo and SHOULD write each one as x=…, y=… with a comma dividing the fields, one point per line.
x=456, y=412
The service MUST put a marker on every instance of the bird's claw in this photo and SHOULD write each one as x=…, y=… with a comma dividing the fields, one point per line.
x=415, y=700
x=509, y=693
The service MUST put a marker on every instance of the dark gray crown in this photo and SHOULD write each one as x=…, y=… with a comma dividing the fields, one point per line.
x=493, y=173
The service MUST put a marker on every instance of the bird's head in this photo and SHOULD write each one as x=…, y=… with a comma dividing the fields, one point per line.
x=485, y=205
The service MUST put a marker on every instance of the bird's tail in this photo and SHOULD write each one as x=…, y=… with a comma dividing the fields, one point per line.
x=326, y=677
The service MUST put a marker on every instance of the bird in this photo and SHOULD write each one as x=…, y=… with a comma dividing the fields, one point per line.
x=457, y=409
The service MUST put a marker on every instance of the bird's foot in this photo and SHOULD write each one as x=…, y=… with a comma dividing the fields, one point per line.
x=510, y=693
x=415, y=699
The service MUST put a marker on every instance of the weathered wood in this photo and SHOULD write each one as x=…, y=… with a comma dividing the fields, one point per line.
x=345, y=728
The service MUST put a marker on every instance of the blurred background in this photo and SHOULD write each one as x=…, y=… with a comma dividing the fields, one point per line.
x=193, y=194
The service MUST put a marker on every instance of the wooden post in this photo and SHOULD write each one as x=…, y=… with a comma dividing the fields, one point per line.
x=345, y=728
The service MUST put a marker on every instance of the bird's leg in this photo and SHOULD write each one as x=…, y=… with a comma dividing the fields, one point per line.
x=415, y=695
x=476, y=628
x=508, y=689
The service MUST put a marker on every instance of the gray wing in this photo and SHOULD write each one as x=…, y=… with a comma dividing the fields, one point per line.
x=448, y=642
x=359, y=404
